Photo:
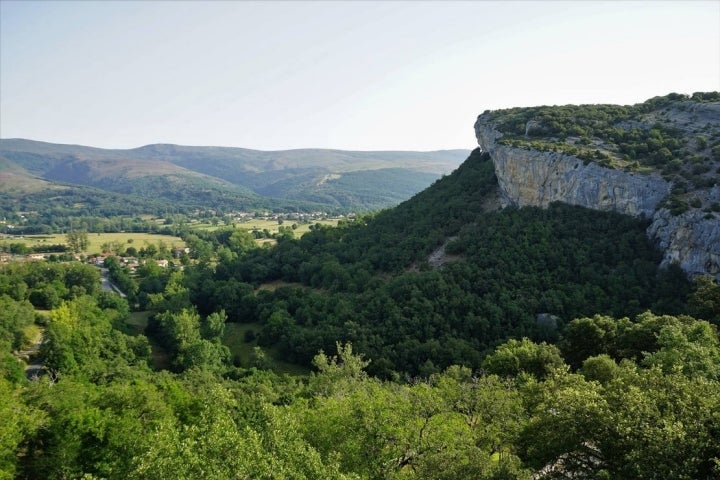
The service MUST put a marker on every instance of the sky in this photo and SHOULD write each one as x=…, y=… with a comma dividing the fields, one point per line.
x=339, y=74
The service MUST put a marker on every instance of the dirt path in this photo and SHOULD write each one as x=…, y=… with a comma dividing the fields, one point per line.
x=33, y=363
x=439, y=257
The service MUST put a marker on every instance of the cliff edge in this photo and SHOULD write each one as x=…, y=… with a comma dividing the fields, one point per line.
x=658, y=160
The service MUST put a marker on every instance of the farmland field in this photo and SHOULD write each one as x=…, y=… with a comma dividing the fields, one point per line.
x=271, y=225
x=96, y=240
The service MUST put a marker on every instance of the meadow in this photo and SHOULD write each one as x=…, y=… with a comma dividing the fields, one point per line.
x=96, y=240
x=268, y=224
x=242, y=350
x=140, y=239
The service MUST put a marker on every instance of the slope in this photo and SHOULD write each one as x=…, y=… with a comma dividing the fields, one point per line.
x=117, y=173
x=207, y=174
x=519, y=272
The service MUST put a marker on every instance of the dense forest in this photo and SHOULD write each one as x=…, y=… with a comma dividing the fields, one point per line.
x=369, y=282
x=614, y=398
x=444, y=339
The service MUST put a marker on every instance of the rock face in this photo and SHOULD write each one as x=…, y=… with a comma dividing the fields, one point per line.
x=534, y=178
x=689, y=239
x=540, y=178
x=529, y=177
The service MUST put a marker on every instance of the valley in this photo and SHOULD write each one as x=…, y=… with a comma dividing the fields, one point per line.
x=523, y=316
x=183, y=178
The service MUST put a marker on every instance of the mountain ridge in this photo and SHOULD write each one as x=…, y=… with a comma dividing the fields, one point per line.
x=308, y=176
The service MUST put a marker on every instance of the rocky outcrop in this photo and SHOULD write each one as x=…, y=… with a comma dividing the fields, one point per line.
x=528, y=177
x=533, y=178
x=691, y=239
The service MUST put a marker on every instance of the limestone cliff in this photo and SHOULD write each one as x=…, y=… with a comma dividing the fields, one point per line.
x=529, y=177
x=691, y=239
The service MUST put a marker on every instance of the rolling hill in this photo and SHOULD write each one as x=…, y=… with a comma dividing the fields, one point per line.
x=234, y=177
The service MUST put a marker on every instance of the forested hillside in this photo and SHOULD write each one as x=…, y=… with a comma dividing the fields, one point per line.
x=228, y=178
x=445, y=339
x=639, y=399
x=369, y=282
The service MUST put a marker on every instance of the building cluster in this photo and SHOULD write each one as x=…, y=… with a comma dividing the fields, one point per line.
x=133, y=263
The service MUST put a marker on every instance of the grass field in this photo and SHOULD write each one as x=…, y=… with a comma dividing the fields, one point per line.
x=242, y=351
x=33, y=334
x=271, y=225
x=234, y=339
x=140, y=240
x=137, y=322
x=96, y=240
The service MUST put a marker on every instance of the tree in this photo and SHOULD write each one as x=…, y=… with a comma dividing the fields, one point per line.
x=77, y=240
x=45, y=297
x=150, y=251
x=203, y=354
x=513, y=357
x=213, y=327
x=343, y=365
x=18, y=422
x=660, y=425
x=214, y=445
x=180, y=329
x=600, y=368
x=691, y=348
x=85, y=277
x=241, y=241
x=565, y=426
x=490, y=406
x=180, y=332
x=704, y=302
x=14, y=317
x=331, y=369
x=586, y=337
x=175, y=296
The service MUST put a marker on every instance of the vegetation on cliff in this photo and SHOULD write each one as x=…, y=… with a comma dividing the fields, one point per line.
x=677, y=135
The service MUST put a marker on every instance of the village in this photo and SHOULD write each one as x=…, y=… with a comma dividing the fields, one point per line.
x=156, y=235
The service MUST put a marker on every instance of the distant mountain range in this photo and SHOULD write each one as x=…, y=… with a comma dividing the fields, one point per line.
x=226, y=177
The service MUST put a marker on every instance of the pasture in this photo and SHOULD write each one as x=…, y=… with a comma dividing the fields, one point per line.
x=268, y=224
x=96, y=240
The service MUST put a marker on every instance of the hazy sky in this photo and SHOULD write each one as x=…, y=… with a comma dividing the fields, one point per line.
x=350, y=75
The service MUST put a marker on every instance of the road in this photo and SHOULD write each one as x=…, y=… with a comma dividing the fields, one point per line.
x=34, y=366
x=107, y=285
